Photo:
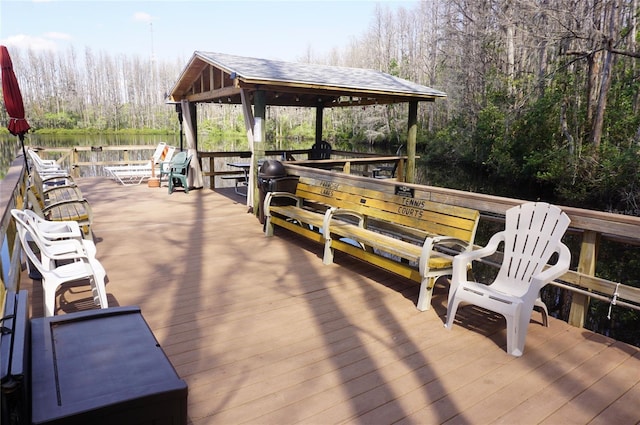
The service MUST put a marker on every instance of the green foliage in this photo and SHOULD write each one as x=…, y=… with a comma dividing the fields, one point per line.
x=449, y=145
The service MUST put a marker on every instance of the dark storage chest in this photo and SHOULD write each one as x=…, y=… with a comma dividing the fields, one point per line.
x=102, y=367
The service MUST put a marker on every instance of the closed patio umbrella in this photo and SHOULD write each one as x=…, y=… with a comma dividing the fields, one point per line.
x=17, y=125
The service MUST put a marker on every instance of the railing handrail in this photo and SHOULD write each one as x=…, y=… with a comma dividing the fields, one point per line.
x=12, y=195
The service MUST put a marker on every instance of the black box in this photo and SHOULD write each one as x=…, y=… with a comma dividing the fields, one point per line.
x=102, y=367
x=14, y=360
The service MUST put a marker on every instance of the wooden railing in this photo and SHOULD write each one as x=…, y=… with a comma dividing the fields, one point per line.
x=12, y=195
x=591, y=226
x=214, y=163
x=90, y=160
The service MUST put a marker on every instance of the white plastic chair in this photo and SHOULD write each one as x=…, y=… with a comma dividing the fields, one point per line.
x=532, y=234
x=42, y=163
x=79, y=264
x=46, y=167
x=51, y=230
x=56, y=235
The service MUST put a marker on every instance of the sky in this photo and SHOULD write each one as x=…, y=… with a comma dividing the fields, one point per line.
x=172, y=29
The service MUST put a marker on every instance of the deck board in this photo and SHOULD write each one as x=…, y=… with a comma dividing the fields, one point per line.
x=264, y=333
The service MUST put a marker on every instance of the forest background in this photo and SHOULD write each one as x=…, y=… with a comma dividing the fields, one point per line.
x=544, y=95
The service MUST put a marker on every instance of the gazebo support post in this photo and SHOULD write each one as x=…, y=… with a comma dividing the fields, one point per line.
x=259, y=134
x=319, y=122
x=412, y=136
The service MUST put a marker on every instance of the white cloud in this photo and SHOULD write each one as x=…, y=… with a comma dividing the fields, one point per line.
x=142, y=16
x=58, y=36
x=24, y=41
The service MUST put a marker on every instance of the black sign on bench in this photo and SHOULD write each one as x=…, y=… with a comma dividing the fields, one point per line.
x=407, y=192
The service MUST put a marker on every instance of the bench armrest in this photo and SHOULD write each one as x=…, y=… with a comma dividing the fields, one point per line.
x=450, y=243
x=336, y=212
x=57, y=180
x=51, y=191
x=84, y=203
x=432, y=242
x=271, y=195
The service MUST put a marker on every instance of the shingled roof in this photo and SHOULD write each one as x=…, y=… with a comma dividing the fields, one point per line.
x=219, y=77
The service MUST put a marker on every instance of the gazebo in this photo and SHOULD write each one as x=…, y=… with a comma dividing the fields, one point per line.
x=230, y=79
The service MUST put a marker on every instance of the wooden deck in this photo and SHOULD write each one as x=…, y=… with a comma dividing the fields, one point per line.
x=264, y=333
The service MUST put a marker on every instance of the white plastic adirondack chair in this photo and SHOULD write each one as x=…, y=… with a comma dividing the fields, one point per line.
x=532, y=234
x=80, y=263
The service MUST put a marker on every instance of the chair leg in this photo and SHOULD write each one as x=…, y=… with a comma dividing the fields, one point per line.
x=426, y=290
x=542, y=307
x=98, y=287
x=452, y=309
x=328, y=252
x=521, y=321
x=185, y=185
x=49, y=299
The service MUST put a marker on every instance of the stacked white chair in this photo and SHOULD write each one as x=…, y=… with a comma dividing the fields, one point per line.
x=46, y=167
x=62, y=257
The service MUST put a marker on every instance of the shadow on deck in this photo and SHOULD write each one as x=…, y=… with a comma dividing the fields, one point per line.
x=263, y=332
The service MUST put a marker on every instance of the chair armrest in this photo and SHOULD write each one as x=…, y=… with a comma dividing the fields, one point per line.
x=76, y=251
x=555, y=271
x=461, y=261
x=74, y=232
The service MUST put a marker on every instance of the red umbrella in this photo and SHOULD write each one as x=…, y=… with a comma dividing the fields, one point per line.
x=18, y=125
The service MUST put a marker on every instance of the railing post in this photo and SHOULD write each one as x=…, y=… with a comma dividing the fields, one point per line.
x=75, y=170
x=400, y=171
x=586, y=265
x=412, y=135
x=212, y=172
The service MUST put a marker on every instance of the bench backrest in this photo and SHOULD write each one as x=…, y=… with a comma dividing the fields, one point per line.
x=430, y=217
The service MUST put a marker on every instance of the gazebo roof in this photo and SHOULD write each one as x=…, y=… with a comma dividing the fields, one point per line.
x=219, y=77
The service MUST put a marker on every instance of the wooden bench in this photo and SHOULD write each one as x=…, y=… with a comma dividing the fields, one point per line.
x=61, y=203
x=411, y=237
